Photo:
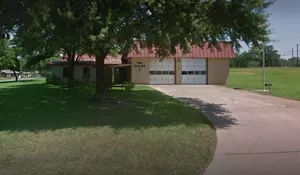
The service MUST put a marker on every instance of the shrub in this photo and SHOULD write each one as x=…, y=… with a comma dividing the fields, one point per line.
x=129, y=86
x=52, y=79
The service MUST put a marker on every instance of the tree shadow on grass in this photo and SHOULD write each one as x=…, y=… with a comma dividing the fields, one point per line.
x=219, y=116
x=38, y=107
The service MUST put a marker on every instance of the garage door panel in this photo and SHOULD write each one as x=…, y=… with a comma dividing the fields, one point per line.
x=152, y=79
x=165, y=79
x=198, y=63
x=184, y=79
x=193, y=71
x=197, y=79
x=165, y=67
x=171, y=80
x=164, y=71
x=159, y=67
x=152, y=67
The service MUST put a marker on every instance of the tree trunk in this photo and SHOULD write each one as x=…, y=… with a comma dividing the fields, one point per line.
x=16, y=76
x=71, y=57
x=100, y=79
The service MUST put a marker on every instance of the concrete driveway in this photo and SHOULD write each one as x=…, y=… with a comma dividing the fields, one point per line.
x=257, y=134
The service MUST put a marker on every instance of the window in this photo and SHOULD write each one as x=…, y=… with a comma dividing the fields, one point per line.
x=165, y=72
x=158, y=72
x=184, y=72
x=191, y=72
x=86, y=72
x=171, y=72
x=152, y=72
x=197, y=72
x=65, y=72
x=203, y=72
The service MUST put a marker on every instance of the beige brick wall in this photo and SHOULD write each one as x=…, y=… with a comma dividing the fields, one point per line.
x=78, y=72
x=218, y=70
x=178, y=69
x=140, y=70
x=56, y=70
x=93, y=74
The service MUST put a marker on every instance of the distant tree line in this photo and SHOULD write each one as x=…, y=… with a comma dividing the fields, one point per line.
x=254, y=58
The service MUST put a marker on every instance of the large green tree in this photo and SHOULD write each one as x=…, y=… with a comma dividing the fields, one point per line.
x=12, y=14
x=254, y=57
x=272, y=57
x=54, y=26
x=106, y=26
x=165, y=24
x=12, y=58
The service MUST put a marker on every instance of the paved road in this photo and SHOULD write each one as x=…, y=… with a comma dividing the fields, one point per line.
x=257, y=134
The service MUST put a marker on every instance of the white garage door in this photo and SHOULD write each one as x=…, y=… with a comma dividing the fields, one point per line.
x=162, y=71
x=193, y=71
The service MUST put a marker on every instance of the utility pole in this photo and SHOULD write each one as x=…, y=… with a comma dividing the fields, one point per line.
x=292, y=53
x=297, y=55
x=264, y=71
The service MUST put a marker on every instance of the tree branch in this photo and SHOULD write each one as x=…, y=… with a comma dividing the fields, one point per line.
x=20, y=73
x=14, y=73
x=79, y=56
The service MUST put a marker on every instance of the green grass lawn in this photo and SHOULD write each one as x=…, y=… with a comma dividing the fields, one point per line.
x=47, y=129
x=286, y=81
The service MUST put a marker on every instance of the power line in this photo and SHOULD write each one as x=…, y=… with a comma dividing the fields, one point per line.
x=297, y=55
x=290, y=52
x=287, y=55
x=289, y=38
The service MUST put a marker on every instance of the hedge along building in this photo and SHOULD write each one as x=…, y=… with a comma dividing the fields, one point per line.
x=200, y=66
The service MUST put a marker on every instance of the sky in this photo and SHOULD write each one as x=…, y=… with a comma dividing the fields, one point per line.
x=285, y=26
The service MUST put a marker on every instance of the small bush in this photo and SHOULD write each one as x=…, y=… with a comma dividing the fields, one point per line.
x=52, y=79
x=49, y=78
x=129, y=86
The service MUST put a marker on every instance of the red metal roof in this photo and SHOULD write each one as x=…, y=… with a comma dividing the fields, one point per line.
x=225, y=51
x=87, y=59
x=145, y=52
